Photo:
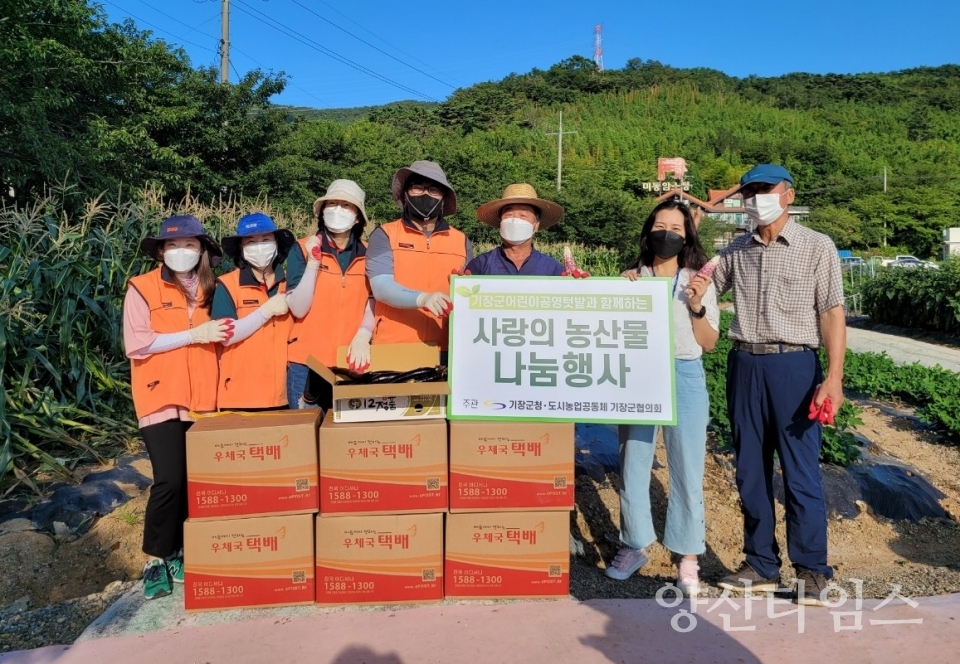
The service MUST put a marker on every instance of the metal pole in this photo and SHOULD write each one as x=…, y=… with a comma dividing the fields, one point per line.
x=225, y=41
x=559, y=151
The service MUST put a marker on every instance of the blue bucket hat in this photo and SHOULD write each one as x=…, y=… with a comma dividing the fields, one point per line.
x=257, y=223
x=181, y=226
x=766, y=174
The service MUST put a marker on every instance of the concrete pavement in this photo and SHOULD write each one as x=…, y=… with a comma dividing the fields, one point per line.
x=903, y=350
x=595, y=631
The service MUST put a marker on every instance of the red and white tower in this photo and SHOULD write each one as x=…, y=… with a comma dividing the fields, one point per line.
x=598, y=46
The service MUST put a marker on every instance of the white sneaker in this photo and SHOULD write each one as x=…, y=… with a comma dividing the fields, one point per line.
x=627, y=561
x=688, y=580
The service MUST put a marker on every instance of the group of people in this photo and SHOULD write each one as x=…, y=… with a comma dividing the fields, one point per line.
x=200, y=343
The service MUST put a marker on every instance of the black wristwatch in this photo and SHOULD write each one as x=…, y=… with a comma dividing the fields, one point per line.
x=698, y=314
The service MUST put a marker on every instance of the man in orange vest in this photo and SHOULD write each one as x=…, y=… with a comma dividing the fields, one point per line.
x=410, y=260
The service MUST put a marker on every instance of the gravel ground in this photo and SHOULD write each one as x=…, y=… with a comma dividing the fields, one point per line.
x=22, y=628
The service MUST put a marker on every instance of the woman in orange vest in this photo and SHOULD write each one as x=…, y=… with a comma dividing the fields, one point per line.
x=253, y=363
x=330, y=296
x=410, y=260
x=171, y=341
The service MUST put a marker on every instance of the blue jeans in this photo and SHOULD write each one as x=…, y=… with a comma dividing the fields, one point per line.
x=686, y=445
x=296, y=382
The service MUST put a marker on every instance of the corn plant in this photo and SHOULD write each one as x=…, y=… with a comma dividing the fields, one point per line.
x=64, y=378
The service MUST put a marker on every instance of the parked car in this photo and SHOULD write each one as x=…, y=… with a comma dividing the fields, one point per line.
x=852, y=261
x=886, y=262
x=913, y=263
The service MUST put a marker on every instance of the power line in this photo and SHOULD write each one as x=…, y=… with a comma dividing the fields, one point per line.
x=187, y=25
x=273, y=23
x=156, y=27
x=363, y=41
x=292, y=84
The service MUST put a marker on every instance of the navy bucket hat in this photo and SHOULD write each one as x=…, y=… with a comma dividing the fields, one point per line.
x=181, y=226
x=258, y=223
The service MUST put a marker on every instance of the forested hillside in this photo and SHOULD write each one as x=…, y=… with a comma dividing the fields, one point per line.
x=108, y=108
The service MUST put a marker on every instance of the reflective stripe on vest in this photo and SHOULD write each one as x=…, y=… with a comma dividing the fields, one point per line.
x=339, y=301
x=185, y=377
x=253, y=373
x=424, y=264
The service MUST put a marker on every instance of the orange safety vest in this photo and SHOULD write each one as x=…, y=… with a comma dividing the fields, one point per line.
x=185, y=377
x=253, y=373
x=339, y=301
x=419, y=263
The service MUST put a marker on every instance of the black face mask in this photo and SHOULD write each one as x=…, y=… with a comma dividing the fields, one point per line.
x=666, y=244
x=424, y=206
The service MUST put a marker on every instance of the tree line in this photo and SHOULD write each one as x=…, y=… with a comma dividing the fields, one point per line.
x=107, y=108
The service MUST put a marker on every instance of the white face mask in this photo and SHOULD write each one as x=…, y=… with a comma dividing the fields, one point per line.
x=181, y=259
x=260, y=254
x=338, y=219
x=763, y=208
x=516, y=231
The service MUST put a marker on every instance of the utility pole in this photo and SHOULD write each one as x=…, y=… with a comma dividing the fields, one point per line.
x=224, y=41
x=559, y=135
x=884, y=216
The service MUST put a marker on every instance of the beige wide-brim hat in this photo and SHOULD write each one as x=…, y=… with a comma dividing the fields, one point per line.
x=520, y=193
x=343, y=190
x=430, y=171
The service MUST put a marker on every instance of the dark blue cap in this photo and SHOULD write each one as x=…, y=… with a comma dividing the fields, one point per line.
x=257, y=223
x=767, y=174
x=181, y=226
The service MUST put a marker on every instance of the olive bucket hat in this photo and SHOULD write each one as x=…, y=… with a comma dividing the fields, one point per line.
x=181, y=226
x=430, y=171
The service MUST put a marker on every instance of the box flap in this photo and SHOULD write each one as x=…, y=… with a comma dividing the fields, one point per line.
x=228, y=420
x=420, y=355
x=397, y=357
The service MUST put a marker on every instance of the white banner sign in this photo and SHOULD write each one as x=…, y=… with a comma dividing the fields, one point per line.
x=548, y=348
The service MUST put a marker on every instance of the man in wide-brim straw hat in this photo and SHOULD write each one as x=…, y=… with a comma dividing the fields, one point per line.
x=518, y=213
x=410, y=260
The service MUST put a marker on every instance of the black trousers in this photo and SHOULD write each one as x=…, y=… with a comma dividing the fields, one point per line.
x=166, y=444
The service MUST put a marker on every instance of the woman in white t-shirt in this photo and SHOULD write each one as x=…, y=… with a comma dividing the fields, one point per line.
x=669, y=247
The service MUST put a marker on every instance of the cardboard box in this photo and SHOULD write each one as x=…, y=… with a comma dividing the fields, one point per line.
x=522, y=466
x=245, y=563
x=387, y=401
x=386, y=468
x=395, y=559
x=507, y=555
x=252, y=464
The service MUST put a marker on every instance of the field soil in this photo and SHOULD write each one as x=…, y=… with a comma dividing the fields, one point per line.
x=46, y=577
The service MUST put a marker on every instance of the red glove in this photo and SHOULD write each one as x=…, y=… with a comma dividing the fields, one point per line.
x=229, y=322
x=576, y=274
x=824, y=414
x=462, y=272
x=316, y=253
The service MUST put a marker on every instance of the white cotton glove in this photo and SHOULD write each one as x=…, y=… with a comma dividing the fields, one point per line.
x=437, y=303
x=275, y=306
x=358, y=353
x=211, y=332
x=313, y=250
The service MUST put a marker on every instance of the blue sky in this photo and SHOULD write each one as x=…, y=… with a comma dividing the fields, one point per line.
x=425, y=50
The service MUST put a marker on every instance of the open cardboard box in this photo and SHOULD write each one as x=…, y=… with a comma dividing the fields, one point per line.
x=387, y=401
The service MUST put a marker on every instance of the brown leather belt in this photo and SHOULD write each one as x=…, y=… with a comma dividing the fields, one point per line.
x=768, y=349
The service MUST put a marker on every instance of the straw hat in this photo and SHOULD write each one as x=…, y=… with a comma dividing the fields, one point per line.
x=430, y=171
x=550, y=212
x=343, y=190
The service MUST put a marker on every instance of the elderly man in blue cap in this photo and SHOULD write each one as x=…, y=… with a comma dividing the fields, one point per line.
x=788, y=290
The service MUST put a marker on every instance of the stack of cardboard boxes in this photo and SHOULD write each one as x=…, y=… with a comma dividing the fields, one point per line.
x=252, y=490
x=377, y=469
x=511, y=492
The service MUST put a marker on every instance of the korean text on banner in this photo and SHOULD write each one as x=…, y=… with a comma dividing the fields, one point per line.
x=545, y=348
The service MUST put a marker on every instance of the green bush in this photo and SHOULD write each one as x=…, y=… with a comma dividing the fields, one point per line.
x=934, y=391
x=918, y=297
x=839, y=445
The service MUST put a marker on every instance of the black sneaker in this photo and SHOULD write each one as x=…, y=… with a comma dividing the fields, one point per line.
x=746, y=579
x=811, y=588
